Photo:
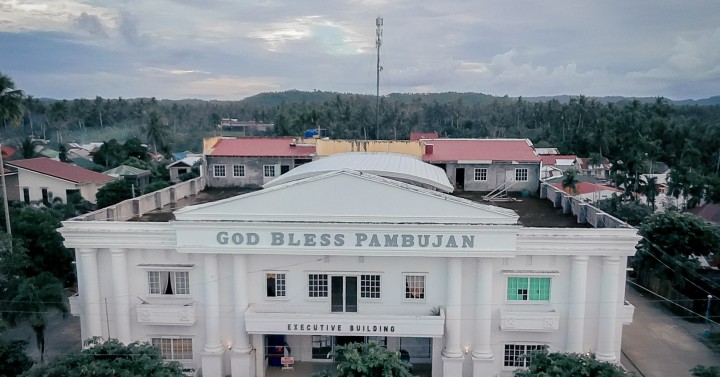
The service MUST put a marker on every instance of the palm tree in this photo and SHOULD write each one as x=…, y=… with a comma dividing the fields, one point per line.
x=595, y=160
x=156, y=132
x=11, y=101
x=651, y=190
x=27, y=148
x=570, y=181
x=36, y=297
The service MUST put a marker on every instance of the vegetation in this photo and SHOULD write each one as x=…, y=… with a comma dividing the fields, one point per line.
x=703, y=371
x=367, y=360
x=630, y=211
x=14, y=360
x=544, y=364
x=11, y=102
x=113, y=193
x=111, y=358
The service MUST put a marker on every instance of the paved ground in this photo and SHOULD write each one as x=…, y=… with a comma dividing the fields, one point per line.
x=661, y=344
x=61, y=336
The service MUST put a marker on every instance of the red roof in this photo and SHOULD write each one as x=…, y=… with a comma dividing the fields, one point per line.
x=57, y=169
x=261, y=147
x=481, y=150
x=423, y=135
x=7, y=151
x=587, y=187
x=551, y=159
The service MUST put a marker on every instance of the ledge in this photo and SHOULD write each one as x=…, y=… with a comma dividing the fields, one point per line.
x=169, y=315
x=529, y=319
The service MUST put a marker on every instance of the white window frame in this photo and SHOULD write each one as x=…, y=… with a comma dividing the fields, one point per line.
x=236, y=168
x=367, y=290
x=277, y=275
x=405, y=277
x=179, y=281
x=479, y=173
x=318, y=279
x=518, y=172
x=216, y=168
x=172, y=340
x=267, y=169
x=519, y=357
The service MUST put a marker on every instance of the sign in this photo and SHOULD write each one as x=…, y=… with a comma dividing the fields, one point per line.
x=287, y=360
x=338, y=328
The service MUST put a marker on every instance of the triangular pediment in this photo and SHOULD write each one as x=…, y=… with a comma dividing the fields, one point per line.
x=348, y=196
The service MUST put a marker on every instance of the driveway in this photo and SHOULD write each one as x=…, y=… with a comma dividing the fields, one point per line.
x=659, y=343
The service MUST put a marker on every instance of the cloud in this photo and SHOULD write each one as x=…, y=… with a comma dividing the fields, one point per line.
x=90, y=24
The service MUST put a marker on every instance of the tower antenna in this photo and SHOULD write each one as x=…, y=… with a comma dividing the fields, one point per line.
x=378, y=43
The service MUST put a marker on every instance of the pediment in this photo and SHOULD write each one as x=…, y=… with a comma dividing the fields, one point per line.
x=348, y=196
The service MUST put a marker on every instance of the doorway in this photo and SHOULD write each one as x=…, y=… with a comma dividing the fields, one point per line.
x=460, y=178
x=343, y=294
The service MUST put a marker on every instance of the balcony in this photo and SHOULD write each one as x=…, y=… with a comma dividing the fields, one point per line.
x=628, y=313
x=167, y=314
x=75, y=305
x=533, y=319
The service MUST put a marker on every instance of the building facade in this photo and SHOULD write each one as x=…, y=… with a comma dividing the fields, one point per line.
x=230, y=286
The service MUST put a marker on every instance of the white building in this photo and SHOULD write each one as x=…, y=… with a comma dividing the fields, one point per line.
x=229, y=286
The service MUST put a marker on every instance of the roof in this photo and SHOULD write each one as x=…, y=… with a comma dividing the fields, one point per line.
x=127, y=171
x=582, y=188
x=585, y=163
x=423, y=135
x=559, y=160
x=261, y=147
x=400, y=167
x=489, y=150
x=542, y=151
x=57, y=169
x=7, y=151
x=708, y=212
x=187, y=161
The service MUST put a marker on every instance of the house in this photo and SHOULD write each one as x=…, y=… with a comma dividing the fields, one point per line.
x=557, y=165
x=44, y=179
x=252, y=162
x=486, y=164
x=589, y=191
x=139, y=178
x=11, y=180
x=600, y=171
x=231, y=286
x=184, y=166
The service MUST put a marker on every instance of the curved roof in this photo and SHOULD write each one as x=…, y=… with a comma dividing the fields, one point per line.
x=400, y=167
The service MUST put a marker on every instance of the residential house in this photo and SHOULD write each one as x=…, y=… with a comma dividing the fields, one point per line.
x=139, y=178
x=600, y=171
x=184, y=166
x=589, y=191
x=557, y=165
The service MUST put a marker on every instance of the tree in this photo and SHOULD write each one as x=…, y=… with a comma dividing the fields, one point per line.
x=556, y=364
x=630, y=211
x=156, y=132
x=113, y=193
x=27, y=148
x=111, y=358
x=570, y=181
x=11, y=102
x=35, y=299
x=14, y=359
x=369, y=360
x=703, y=371
x=110, y=154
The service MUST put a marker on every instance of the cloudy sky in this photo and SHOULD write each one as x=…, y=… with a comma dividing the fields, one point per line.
x=231, y=49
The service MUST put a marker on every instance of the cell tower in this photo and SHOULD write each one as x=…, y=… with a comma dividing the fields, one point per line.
x=378, y=43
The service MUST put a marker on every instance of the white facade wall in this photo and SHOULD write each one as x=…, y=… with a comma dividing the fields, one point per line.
x=36, y=182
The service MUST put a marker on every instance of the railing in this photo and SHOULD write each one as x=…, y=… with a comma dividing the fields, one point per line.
x=583, y=211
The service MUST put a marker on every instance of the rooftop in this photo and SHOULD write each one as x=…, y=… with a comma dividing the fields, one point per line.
x=61, y=170
x=260, y=147
x=486, y=150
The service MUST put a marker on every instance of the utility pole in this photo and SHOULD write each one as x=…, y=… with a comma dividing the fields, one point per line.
x=5, y=199
x=378, y=43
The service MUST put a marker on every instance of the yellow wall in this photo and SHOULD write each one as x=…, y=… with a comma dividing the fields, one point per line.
x=209, y=143
x=329, y=147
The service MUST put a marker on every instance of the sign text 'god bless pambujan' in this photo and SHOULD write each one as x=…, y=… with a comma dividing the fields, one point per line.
x=358, y=240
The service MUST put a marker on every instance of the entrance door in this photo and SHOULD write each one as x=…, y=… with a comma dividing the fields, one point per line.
x=344, y=294
x=460, y=178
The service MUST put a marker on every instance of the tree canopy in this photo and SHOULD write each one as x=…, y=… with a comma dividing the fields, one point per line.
x=544, y=364
x=113, y=193
x=367, y=360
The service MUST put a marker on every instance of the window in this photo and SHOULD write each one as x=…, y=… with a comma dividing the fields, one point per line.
x=26, y=195
x=322, y=345
x=45, y=196
x=174, y=348
x=238, y=170
x=218, y=171
x=275, y=285
x=169, y=282
x=369, y=286
x=528, y=289
x=317, y=285
x=481, y=174
x=516, y=355
x=521, y=175
x=415, y=287
x=268, y=171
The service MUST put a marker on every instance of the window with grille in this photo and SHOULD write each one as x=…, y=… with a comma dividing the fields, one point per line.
x=322, y=345
x=481, y=174
x=521, y=174
x=317, y=285
x=275, y=284
x=414, y=287
x=370, y=286
x=238, y=170
x=520, y=355
x=169, y=282
x=218, y=171
x=528, y=289
x=174, y=348
x=268, y=171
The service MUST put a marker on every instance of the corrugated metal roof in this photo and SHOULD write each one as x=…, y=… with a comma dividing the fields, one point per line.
x=261, y=147
x=125, y=170
x=390, y=165
x=563, y=160
x=445, y=150
x=57, y=169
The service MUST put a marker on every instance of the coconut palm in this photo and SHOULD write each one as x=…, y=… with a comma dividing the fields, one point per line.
x=11, y=101
x=156, y=132
x=570, y=181
x=36, y=297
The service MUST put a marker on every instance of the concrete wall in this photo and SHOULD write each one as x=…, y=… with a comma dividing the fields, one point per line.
x=582, y=210
x=58, y=187
x=326, y=147
x=497, y=174
x=13, y=191
x=254, y=175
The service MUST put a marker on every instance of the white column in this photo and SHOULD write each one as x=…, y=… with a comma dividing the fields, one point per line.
x=120, y=291
x=90, y=291
x=242, y=340
x=577, y=301
x=453, y=309
x=608, y=309
x=212, y=304
x=483, y=309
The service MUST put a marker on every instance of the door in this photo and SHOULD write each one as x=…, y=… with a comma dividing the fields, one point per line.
x=460, y=178
x=343, y=294
x=284, y=169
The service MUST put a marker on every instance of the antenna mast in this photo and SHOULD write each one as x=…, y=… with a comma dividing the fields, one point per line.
x=378, y=43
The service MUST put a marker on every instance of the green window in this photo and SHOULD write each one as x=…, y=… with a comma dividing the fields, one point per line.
x=528, y=289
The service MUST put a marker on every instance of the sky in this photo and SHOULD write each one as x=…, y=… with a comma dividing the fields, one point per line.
x=232, y=49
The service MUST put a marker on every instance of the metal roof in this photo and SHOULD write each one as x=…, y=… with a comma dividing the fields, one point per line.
x=400, y=167
x=261, y=147
x=68, y=172
x=487, y=150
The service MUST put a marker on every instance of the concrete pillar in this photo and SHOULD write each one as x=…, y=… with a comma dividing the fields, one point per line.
x=577, y=301
x=90, y=292
x=453, y=354
x=482, y=355
x=121, y=299
x=213, y=350
x=608, y=309
x=241, y=363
